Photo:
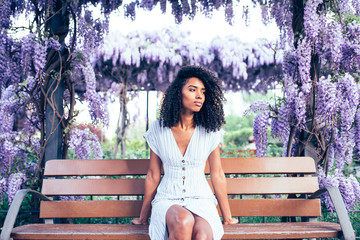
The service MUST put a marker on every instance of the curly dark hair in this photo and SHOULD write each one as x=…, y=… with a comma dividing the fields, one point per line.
x=211, y=115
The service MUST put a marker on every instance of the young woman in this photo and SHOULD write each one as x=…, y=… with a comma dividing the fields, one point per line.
x=181, y=204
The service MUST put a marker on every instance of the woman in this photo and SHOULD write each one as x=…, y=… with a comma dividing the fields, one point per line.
x=181, y=204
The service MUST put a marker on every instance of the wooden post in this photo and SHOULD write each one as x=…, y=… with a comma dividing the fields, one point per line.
x=57, y=25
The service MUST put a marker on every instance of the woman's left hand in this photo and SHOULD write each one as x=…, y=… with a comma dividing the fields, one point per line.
x=230, y=221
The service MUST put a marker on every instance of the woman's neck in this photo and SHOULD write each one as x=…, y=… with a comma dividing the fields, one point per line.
x=186, y=121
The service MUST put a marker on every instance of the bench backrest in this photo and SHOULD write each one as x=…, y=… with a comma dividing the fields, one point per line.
x=125, y=178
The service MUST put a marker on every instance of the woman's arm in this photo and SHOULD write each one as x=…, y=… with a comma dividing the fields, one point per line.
x=151, y=183
x=218, y=181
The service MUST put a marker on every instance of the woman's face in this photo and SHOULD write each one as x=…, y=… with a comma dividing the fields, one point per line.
x=193, y=95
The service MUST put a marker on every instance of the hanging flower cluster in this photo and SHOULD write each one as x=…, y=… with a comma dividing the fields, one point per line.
x=83, y=142
x=150, y=60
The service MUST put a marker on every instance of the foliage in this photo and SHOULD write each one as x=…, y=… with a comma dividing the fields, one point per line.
x=319, y=114
x=232, y=123
x=238, y=139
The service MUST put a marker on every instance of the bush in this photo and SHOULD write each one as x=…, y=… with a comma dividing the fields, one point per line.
x=237, y=139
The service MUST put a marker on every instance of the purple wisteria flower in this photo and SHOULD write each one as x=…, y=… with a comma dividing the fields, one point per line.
x=334, y=41
x=14, y=184
x=39, y=57
x=259, y=105
x=304, y=59
x=54, y=44
x=348, y=187
x=261, y=123
x=328, y=99
x=355, y=185
x=349, y=101
x=97, y=104
x=83, y=142
x=327, y=181
x=311, y=19
x=357, y=133
x=280, y=127
x=347, y=191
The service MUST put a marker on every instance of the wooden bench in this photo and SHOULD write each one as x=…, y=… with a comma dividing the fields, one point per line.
x=249, y=178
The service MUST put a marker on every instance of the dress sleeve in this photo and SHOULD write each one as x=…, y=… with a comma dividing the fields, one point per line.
x=151, y=137
x=215, y=139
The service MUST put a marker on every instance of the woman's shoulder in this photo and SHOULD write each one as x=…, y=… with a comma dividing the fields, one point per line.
x=156, y=126
x=206, y=132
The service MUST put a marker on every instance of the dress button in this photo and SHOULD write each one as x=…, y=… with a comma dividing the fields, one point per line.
x=182, y=199
x=183, y=161
x=183, y=177
x=183, y=168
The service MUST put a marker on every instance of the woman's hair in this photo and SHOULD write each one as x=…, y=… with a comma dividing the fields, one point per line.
x=211, y=115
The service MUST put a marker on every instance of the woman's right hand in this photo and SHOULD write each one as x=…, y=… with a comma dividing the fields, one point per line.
x=138, y=221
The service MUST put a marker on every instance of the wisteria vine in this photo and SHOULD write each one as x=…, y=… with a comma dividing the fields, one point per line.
x=319, y=114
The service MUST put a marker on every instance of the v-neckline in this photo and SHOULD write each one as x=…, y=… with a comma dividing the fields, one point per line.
x=188, y=145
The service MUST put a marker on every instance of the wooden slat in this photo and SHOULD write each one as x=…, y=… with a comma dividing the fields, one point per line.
x=267, y=165
x=131, y=208
x=293, y=230
x=119, y=231
x=86, y=209
x=275, y=207
x=272, y=185
x=93, y=186
x=81, y=231
x=106, y=167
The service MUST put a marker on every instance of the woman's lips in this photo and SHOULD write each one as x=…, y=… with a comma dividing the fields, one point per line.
x=199, y=104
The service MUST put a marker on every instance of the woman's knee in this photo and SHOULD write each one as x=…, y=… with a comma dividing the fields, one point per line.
x=179, y=218
x=202, y=229
x=201, y=235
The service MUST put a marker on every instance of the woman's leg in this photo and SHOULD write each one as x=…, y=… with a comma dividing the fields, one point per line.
x=180, y=223
x=202, y=229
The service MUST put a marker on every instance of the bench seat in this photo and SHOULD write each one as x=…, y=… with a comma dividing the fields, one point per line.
x=122, y=231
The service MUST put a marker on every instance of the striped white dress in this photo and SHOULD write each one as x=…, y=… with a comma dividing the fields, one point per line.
x=184, y=182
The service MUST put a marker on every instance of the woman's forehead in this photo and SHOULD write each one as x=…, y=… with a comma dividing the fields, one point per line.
x=194, y=81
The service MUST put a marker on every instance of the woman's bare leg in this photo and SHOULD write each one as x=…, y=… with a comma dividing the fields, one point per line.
x=180, y=223
x=202, y=229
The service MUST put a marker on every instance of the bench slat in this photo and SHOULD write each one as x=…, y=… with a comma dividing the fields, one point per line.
x=131, y=208
x=118, y=231
x=275, y=207
x=96, y=167
x=293, y=230
x=267, y=165
x=109, y=167
x=81, y=231
x=86, y=209
x=271, y=185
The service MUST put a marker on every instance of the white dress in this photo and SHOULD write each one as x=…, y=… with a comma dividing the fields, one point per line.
x=184, y=181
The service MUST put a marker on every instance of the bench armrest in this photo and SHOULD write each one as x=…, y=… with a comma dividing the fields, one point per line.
x=14, y=210
x=340, y=209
